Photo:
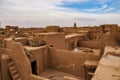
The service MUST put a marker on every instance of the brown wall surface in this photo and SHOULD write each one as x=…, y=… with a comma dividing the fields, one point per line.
x=22, y=40
x=69, y=61
x=21, y=60
x=94, y=34
x=91, y=43
x=56, y=40
x=41, y=56
x=73, y=42
x=53, y=28
x=4, y=74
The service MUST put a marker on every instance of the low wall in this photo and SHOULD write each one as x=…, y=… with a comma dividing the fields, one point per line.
x=91, y=43
x=69, y=61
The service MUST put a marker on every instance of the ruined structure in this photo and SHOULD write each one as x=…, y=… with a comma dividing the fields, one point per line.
x=60, y=53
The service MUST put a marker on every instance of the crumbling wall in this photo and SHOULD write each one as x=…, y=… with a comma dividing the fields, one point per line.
x=109, y=33
x=69, y=61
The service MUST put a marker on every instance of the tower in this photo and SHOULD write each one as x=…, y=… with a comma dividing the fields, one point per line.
x=75, y=25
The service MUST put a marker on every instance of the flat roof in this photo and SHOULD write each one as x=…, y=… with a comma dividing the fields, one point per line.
x=5, y=56
x=82, y=31
x=49, y=33
x=58, y=75
x=33, y=48
x=112, y=49
x=109, y=65
x=8, y=39
x=19, y=38
x=73, y=35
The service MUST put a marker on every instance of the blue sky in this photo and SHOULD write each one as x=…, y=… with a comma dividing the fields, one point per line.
x=40, y=13
x=93, y=6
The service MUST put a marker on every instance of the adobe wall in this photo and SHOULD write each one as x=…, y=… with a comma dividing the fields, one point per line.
x=19, y=35
x=58, y=41
x=4, y=74
x=94, y=34
x=69, y=30
x=10, y=30
x=22, y=40
x=34, y=30
x=52, y=29
x=91, y=43
x=21, y=60
x=55, y=40
x=41, y=56
x=73, y=42
x=69, y=61
x=1, y=43
x=7, y=43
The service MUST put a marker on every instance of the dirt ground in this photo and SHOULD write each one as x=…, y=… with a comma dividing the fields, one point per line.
x=57, y=75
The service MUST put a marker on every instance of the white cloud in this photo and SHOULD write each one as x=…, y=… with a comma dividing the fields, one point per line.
x=109, y=9
x=98, y=8
x=103, y=1
x=45, y=12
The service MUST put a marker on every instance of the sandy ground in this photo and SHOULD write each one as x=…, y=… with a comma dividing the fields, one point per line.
x=57, y=75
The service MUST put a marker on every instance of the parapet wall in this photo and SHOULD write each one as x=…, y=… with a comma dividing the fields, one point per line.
x=69, y=61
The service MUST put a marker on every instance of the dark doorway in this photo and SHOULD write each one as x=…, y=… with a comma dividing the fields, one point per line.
x=78, y=43
x=34, y=67
x=103, y=29
x=51, y=45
